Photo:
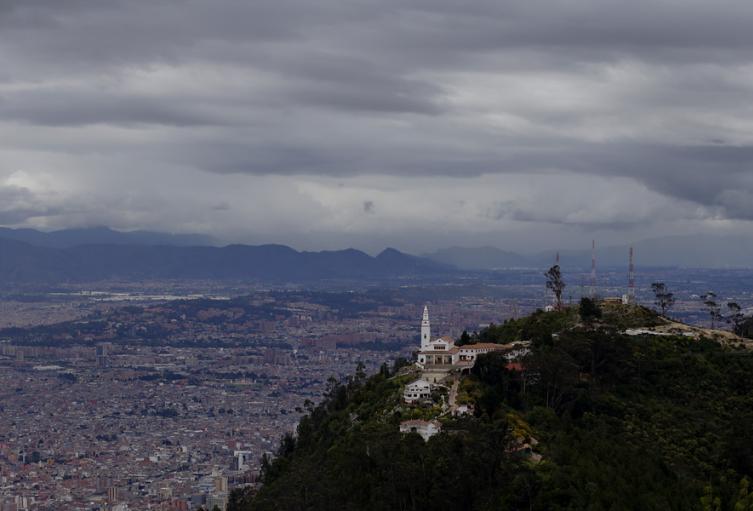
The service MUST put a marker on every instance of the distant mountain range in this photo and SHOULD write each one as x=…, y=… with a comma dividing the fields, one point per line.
x=102, y=236
x=24, y=263
x=672, y=251
x=80, y=255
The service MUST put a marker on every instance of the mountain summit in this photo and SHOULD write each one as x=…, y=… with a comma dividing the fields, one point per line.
x=620, y=409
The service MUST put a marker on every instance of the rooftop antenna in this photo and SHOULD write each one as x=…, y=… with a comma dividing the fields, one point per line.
x=593, y=268
x=631, y=279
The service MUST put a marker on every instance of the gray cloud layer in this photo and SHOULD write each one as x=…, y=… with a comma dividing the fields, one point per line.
x=151, y=104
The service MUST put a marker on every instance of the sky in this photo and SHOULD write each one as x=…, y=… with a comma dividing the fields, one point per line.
x=417, y=124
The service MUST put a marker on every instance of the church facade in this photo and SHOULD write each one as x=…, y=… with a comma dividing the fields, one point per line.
x=441, y=355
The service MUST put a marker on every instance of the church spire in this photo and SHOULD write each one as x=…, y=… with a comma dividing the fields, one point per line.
x=425, y=329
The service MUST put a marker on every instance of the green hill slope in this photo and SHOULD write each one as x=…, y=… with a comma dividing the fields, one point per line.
x=613, y=420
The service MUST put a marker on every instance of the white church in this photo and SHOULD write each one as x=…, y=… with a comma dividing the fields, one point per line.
x=438, y=357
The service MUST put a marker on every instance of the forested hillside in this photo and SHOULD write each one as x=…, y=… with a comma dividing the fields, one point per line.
x=639, y=421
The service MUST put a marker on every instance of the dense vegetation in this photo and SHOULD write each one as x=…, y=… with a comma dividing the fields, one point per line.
x=622, y=422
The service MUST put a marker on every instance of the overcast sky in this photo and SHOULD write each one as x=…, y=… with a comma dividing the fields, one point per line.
x=368, y=123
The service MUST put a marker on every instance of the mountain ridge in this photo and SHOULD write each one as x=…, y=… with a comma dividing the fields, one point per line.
x=697, y=251
x=98, y=235
x=23, y=263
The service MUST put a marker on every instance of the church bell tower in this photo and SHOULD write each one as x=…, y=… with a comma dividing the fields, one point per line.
x=425, y=329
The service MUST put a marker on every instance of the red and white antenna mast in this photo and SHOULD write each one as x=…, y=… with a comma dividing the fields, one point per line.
x=593, y=268
x=631, y=279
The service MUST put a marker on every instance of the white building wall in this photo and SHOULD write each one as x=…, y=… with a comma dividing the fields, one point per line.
x=416, y=391
x=425, y=329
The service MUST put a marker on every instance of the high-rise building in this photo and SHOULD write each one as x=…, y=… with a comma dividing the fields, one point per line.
x=220, y=484
x=242, y=460
x=102, y=353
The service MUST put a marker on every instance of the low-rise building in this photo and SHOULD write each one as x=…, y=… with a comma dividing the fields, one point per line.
x=426, y=429
x=438, y=357
x=470, y=352
x=416, y=391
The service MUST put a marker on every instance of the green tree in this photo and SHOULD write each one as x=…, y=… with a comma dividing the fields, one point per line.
x=663, y=298
x=589, y=310
x=555, y=283
x=746, y=328
x=713, y=308
x=745, y=497
x=736, y=316
x=709, y=501
x=360, y=372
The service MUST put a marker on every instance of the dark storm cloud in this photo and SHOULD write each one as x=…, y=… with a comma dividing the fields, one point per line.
x=656, y=92
x=430, y=28
x=18, y=204
x=77, y=108
x=713, y=175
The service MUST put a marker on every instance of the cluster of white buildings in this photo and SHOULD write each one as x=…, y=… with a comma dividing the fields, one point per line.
x=438, y=359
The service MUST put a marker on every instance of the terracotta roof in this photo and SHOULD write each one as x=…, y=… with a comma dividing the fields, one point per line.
x=415, y=422
x=515, y=366
x=484, y=346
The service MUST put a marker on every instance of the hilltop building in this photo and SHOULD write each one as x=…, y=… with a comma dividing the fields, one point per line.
x=439, y=357
x=416, y=391
x=426, y=429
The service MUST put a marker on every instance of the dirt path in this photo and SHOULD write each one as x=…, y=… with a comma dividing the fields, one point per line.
x=454, y=396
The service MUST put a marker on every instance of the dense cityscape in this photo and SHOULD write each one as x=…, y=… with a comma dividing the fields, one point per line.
x=134, y=419
x=168, y=401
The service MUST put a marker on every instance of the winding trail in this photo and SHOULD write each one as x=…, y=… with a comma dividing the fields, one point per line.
x=453, y=396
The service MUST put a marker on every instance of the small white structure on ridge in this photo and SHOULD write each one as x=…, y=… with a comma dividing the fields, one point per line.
x=436, y=358
x=426, y=429
x=416, y=391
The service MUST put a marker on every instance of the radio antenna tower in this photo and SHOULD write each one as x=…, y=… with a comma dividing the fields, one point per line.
x=631, y=279
x=593, y=268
